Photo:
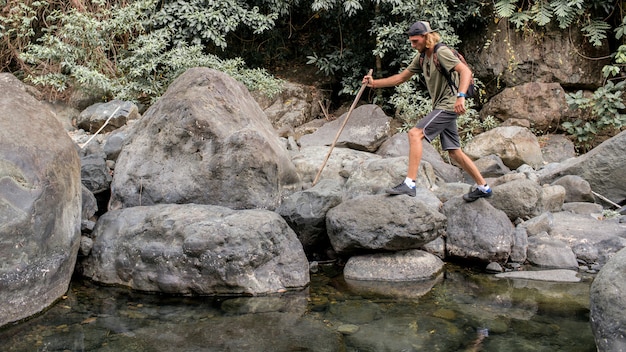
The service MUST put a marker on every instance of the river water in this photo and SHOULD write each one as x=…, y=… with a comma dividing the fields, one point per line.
x=461, y=310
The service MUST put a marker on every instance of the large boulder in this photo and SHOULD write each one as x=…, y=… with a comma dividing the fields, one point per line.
x=540, y=106
x=477, y=231
x=383, y=223
x=514, y=145
x=604, y=167
x=513, y=57
x=196, y=249
x=205, y=141
x=366, y=130
x=40, y=204
x=608, y=303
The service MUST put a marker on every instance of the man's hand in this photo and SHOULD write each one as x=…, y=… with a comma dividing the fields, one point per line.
x=368, y=80
x=459, y=105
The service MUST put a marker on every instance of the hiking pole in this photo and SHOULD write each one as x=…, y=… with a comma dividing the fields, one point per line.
x=358, y=96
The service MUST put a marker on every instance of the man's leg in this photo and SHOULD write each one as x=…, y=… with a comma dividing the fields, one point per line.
x=483, y=190
x=416, y=135
x=415, y=156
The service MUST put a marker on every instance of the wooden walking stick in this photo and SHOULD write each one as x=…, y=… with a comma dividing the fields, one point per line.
x=345, y=121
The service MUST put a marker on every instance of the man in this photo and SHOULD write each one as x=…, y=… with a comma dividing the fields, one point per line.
x=447, y=105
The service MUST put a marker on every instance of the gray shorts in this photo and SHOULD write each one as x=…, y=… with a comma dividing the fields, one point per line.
x=443, y=124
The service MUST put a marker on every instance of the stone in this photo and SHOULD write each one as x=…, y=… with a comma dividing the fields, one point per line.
x=205, y=141
x=399, y=266
x=477, y=231
x=196, y=249
x=40, y=204
x=381, y=222
x=514, y=145
x=366, y=129
x=608, y=303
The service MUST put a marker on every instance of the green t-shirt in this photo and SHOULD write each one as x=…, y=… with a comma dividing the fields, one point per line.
x=443, y=97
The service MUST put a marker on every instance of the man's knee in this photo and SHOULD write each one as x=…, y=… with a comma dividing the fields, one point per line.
x=416, y=134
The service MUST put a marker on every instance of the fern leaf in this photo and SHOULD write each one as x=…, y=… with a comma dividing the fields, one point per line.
x=505, y=8
x=596, y=30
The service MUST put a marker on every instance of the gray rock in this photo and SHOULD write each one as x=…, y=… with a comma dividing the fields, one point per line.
x=366, y=130
x=577, y=189
x=538, y=105
x=545, y=251
x=555, y=275
x=205, y=141
x=117, y=112
x=556, y=148
x=604, y=167
x=40, y=204
x=514, y=145
x=381, y=222
x=196, y=249
x=519, y=250
x=593, y=240
x=305, y=212
x=608, y=303
x=399, y=266
x=477, y=231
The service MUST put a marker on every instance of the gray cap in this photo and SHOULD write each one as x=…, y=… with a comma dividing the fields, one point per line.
x=419, y=28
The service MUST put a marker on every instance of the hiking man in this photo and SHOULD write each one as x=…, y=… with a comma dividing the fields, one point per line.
x=447, y=105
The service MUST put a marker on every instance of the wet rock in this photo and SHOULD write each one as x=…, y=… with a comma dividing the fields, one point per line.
x=608, y=303
x=40, y=204
x=195, y=249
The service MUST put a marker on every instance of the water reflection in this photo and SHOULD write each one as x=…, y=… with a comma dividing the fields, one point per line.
x=464, y=311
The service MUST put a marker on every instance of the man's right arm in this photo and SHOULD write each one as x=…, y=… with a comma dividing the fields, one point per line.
x=390, y=81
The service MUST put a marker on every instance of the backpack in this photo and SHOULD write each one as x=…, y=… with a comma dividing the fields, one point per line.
x=471, y=90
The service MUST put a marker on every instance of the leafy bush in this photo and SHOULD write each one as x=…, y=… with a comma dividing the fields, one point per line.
x=126, y=50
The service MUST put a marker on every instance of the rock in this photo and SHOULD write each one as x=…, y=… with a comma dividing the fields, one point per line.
x=519, y=198
x=514, y=145
x=593, y=240
x=540, y=106
x=366, y=130
x=545, y=251
x=556, y=275
x=205, y=141
x=376, y=175
x=494, y=267
x=514, y=59
x=608, y=303
x=296, y=105
x=117, y=112
x=40, y=204
x=305, y=212
x=556, y=148
x=519, y=250
x=577, y=189
x=399, y=266
x=491, y=166
x=339, y=166
x=582, y=208
x=604, y=167
x=381, y=222
x=477, y=231
x=195, y=249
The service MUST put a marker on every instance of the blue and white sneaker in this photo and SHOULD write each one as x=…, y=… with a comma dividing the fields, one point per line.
x=477, y=193
x=402, y=188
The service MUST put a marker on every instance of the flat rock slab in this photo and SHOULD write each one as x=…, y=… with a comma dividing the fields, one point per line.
x=558, y=275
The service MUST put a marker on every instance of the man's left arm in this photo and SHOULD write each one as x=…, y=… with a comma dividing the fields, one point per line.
x=465, y=76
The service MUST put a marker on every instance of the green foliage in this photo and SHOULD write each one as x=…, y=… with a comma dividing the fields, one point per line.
x=606, y=109
x=129, y=50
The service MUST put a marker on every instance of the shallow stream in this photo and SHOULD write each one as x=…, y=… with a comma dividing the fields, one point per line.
x=462, y=310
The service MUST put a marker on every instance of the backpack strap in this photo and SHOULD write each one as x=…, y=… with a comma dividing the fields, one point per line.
x=444, y=72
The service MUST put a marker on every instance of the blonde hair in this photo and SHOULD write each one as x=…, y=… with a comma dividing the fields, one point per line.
x=432, y=39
